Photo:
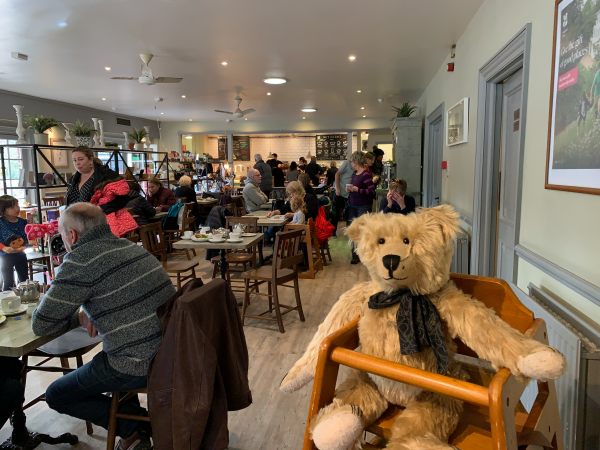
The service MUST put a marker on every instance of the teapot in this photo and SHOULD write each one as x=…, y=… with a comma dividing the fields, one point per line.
x=28, y=290
x=238, y=228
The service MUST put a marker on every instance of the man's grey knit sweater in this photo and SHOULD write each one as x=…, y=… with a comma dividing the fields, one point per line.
x=119, y=285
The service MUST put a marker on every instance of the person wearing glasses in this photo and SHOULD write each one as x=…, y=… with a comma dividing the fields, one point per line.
x=396, y=201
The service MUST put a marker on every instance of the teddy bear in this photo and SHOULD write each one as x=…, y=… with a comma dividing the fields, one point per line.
x=410, y=312
x=13, y=244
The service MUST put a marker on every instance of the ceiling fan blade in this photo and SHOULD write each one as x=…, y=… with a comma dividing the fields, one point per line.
x=224, y=112
x=168, y=80
x=248, y=111
x=123, y=78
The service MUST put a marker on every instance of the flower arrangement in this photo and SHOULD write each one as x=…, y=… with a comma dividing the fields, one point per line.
x=40, y=123
x=138, y=135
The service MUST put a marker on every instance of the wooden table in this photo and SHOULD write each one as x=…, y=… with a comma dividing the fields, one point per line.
x=206, y=201
x=246, y=243
x=264, y=221
x=17, y=338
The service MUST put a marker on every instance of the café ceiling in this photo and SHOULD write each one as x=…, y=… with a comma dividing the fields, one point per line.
x=399, y=45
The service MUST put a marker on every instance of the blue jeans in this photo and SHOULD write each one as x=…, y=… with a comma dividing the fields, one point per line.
x=9, y=263
x=81, y=394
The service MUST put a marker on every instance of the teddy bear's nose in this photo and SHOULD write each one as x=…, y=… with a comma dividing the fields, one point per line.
x=391, y=263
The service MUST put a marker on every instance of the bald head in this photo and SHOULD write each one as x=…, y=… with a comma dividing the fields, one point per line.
x=254, y=176
x=77, y=220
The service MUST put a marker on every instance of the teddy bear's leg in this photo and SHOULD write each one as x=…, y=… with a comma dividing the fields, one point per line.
x=426, y=423
x=357, y=403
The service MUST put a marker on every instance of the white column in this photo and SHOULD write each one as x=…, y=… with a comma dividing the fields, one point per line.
x=230, y=148
x=350, y=149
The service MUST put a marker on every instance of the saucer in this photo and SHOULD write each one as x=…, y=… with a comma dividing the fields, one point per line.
x=234, y=240
x=186, y=238
x=21, y=310
x=195, y=239
x=249, y=234
x=216, y=241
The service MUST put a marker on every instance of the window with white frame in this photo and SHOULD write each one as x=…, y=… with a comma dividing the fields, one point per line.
x=13, y=163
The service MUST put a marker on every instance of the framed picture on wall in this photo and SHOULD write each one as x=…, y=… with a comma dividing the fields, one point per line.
x=60, y=159
x=573, y=154
x=457, y=123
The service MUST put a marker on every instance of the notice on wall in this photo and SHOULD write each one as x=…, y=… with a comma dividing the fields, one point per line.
x=331, y=146
x=241, y=148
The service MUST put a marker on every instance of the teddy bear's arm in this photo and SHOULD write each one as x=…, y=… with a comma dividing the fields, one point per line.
x=494, y=340
x=347, y=308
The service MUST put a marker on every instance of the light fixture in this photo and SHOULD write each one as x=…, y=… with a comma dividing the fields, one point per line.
x=268, y=93
x=188, y=137
x=189, y=120
x=359, y=91
x=103, y=99
x=62, y=24
x=380, y=100
x=310, y=109
x=364, y=116
x=183, y=96
x=352, y=58
x=107, y=68
x=275, y=80
x=224, y=63
x=303, y=117
x=245, y=118
x=162, y=113
x=362, y=107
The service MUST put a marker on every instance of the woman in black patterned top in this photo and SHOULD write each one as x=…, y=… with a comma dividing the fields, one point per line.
x=90, y=173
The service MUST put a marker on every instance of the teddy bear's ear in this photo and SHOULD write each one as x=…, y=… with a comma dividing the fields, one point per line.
x=355, y=229
x=443, y=216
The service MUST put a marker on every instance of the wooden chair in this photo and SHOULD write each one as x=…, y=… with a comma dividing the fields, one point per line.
x=116, y=399
x=188, y=221
x=238, y=206
x=236, y=259
x=313, y=251
x=493, y=417
x=286, y=257
x=154, y=242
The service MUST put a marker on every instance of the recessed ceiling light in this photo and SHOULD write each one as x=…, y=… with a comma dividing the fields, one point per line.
x=224, y=63
x=183, y=96
x=107, y=68
x=364, y=116
x=189, y=120
x=103, y=99
x=62, y=24
x=268, y=93
x=303, y=118
x=362, y=107
x=275, y=80
x=245, y=118
x=162, y=113
x=188, y=137
x=358, y=91
x=309, y=109
x=352, y=58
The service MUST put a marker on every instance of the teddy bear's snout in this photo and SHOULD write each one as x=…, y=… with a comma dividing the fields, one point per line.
x=391, y=263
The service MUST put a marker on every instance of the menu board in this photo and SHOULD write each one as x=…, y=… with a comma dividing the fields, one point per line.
x=331, y=146
x=241, y=148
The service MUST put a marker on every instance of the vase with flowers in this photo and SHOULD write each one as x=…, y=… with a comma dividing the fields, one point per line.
x=40, y=125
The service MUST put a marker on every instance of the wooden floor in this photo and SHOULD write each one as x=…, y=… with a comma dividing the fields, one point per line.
x=275, y=421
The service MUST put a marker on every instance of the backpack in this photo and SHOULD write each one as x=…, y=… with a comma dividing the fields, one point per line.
x=170, y=220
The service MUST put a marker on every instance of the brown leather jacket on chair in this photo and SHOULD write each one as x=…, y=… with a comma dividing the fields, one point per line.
x=200, y=371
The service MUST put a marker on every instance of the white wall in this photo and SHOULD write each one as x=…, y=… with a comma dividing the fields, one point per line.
x=560, y=226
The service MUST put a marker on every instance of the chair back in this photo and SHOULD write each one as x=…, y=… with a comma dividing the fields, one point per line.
x=188, y=219
x=286, y=250
x=238, y=206
x=250, y=223
x=153, y=240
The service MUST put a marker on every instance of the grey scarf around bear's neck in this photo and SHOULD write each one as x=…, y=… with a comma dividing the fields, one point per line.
x=418, y=322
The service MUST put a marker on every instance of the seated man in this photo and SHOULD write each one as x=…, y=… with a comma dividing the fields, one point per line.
x=252, y=194
x=396, y=200
x=111, y=286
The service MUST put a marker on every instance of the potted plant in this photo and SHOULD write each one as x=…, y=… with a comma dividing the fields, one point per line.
x=40, y=124
x=405, y=110
x=138, y=136
x=83, y=134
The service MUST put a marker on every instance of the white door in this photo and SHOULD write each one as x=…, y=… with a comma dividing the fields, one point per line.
x=434, y=175
x=509, y=178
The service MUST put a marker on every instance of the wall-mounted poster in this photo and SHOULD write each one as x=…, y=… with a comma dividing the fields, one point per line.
x=331, y=146
x=573, y=156
x=241, y=148
x=457, y=123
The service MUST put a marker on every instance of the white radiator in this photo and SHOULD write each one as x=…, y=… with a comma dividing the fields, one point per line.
x=460, y=260
x=570, y=387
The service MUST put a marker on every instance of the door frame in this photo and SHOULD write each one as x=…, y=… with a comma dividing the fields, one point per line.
x=432, y=117
x=514, y=56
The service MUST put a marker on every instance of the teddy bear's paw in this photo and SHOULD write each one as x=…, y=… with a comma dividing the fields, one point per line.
x=546, y=364
x=338, y=430
x=295, y=379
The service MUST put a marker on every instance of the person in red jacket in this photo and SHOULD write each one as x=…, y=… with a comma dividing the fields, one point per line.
x=159, y=196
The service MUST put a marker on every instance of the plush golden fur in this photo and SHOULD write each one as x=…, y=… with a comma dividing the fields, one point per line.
x=424, y=243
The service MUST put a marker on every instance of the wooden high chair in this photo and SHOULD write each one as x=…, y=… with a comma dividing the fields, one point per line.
x=493, y=417
x=313, y=251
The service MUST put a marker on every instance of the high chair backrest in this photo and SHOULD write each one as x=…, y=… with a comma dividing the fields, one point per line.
x=153, y=240
x=286, y=250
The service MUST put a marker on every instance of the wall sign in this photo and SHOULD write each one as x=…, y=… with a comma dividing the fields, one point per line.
x=573, y=156
x=331, y=146
x=241, y=148
x=457, y=123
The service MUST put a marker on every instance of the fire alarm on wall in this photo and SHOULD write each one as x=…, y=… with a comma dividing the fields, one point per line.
x=450, y=67
x=444, y=165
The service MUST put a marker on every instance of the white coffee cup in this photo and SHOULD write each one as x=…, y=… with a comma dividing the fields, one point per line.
x=235, y=236
x=205, y=230
x=11, y=303
x=188, y=234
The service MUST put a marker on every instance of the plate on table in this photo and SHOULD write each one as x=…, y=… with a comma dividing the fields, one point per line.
x=233, y=241
x=249, y=234
x=21, y=310
x=199, y=239
x=2, y=319
x=278, y=217
x=216, y=241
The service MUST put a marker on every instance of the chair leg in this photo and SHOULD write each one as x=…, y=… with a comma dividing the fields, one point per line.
x=214, y=274
x=112, y=422
x=298, y=302
x=64, y=363
x=246, y=298
x=277, y=309
x=178, y=281
x=270, y=296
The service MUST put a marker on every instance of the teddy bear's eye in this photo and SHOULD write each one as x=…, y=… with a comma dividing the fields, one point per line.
x=381, y=241
x=406, y=241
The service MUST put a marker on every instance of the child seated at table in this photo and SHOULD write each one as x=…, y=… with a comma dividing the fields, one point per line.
x=12, y=230
x=297, y=206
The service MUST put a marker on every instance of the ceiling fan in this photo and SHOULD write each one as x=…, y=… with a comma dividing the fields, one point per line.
x=238, y=112
x=147, y=77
